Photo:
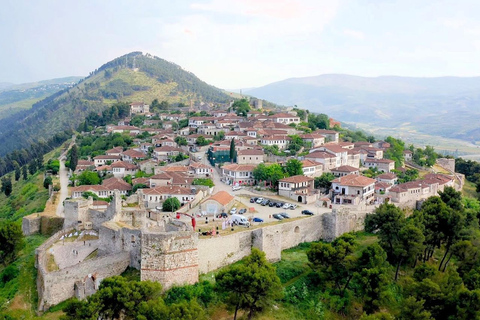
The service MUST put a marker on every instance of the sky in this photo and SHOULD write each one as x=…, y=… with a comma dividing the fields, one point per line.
x=234, y=44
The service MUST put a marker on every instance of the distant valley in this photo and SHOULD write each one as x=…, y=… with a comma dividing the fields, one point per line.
x=18, y=97
x=447, y=107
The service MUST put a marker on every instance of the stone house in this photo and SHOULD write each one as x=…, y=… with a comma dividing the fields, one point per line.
x=132, y=155
x=281, y=141
x=390, y=178
x=240, y=174
x=105, y=190
x=385, y=165
x=121, y=169
x=83, y=165
x=353, y=190
x=250, y=156
x=312, y=168
x=328, y=160
x=345, y=170
x=330, y=135
x=116, y=151
x=154, y=197
x=200, y=169
x=315, y=140
x=221, y=201
x=298, y=188
x=285, y=118
x=163, y=153
x=105, y=159
x=139, y=108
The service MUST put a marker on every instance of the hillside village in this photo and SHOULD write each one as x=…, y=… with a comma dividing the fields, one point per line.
x=176, y=183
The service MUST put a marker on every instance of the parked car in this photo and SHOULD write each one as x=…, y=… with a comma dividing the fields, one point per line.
x=233, y=211
x=257, y=219
x=285, y=215
x=279, y=204
x=307, y=212
x=286, y=205
x=259, y=200
x=242, y=211
x=293, y=206
x=277, y=216
x=236, y=188
x=252, y=200
x=240, y=220
x=271, y=204
x=222, y=215
x=265, y=202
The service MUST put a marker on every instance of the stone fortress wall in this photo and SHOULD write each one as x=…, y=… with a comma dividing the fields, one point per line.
x=56, y=286
x=217, y=252
x=168, y=250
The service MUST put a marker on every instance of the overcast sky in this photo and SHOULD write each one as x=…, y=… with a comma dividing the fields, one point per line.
x=242, y=43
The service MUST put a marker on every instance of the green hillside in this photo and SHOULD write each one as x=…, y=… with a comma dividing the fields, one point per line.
x=133, y=77
x=15, y=98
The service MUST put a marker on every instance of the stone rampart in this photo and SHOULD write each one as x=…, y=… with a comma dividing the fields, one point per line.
x=31, y=224
x=170, y=258
x=220, y=251
x=55, y=287
x=448, y=164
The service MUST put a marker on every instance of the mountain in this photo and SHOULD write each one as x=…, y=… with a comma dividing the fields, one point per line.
x=17, y=97
x=445, y=106
x=132, y=77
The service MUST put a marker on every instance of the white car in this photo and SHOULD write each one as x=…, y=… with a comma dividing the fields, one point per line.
x=286, y=205
x=233, y=211
x=259, y=200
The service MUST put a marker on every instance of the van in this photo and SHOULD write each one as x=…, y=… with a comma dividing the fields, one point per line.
x=240, y=220
x=236, y=188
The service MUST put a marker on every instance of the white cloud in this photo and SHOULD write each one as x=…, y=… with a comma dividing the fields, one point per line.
x=354, y=34
x=245, y=37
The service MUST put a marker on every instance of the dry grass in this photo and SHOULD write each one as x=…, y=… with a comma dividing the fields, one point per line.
x=51, y=264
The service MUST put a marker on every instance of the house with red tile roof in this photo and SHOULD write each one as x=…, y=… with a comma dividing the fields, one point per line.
x=239, y=173
x=250, y=156
x=353, y=189
x=312, y=168
x=221, y=201
x=298, y=188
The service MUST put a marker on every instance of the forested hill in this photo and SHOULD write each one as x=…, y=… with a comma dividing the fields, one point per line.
x=132, y=77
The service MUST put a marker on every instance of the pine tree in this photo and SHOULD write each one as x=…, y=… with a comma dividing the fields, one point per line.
x=24, y=172
x=73, y=158
x=232, y=150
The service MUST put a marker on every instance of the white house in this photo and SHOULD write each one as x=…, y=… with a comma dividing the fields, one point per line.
x=238, y=173
x=353, y=189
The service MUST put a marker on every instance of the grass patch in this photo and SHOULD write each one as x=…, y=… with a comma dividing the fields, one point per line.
x=51, y=264
x=25, y=300
x=469, y=190
x=92, y=255
x=28, y=196
x=131, y=274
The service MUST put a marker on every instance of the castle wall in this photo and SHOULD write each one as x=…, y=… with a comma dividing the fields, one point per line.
x=76, y=210
x=170, y=258
x=31, y=224
x=217, y=252
x=55, y=287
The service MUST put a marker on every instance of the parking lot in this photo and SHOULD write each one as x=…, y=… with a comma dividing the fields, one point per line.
x=253, y=210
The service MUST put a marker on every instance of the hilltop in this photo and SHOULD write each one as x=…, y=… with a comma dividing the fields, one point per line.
x=132, y=77
x=445, y=106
